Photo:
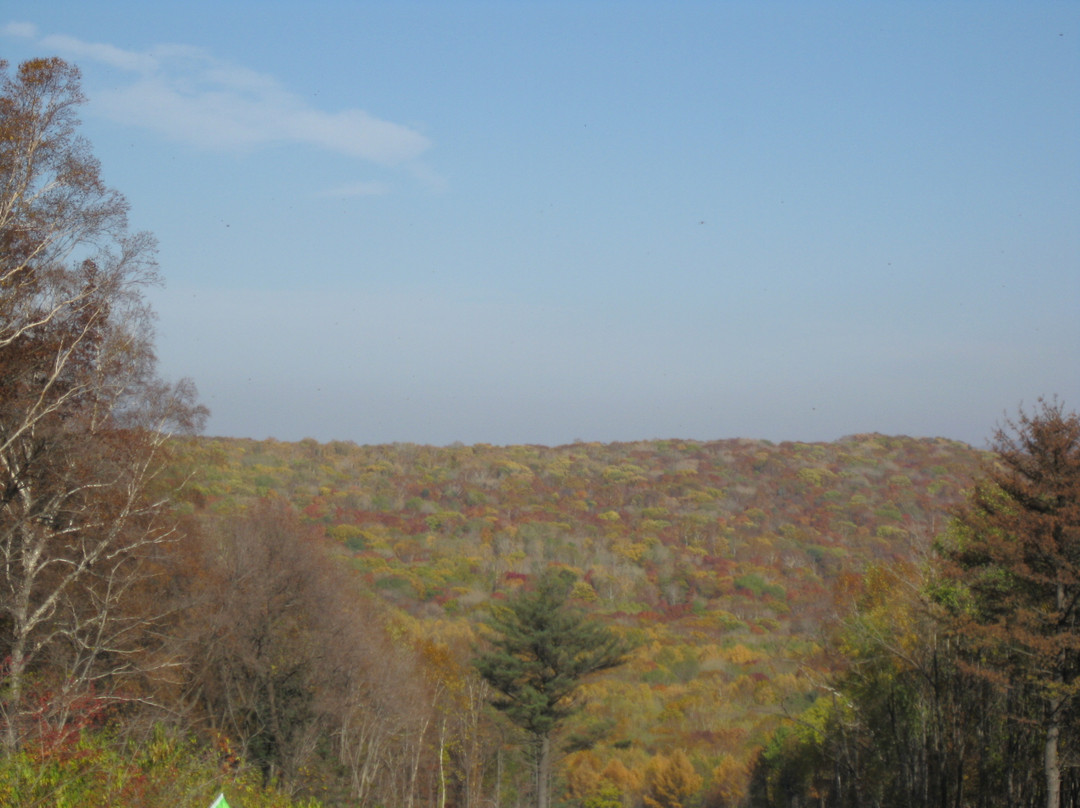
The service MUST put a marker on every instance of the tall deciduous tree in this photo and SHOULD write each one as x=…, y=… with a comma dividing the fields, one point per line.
x=542, y=649
x=1018, y=552
x=83, y=416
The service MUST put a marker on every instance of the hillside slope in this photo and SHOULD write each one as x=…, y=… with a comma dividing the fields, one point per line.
x=720, y=559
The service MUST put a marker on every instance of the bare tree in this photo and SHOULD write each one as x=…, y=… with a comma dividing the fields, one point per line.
x=258, y=658
x=289, y=659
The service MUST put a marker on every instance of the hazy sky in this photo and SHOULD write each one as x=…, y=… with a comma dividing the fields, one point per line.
x=534, y=222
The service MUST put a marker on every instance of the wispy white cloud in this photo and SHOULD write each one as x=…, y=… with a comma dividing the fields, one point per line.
x=26, y=30
x=99, y=52
x=187, y=94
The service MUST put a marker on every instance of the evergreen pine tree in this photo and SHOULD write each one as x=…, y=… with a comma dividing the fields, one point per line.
x=542, y=650
x=1018, y=551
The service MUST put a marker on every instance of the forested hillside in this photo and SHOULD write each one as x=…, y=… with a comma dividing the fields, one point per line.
x=724, y=562
x=668, y=528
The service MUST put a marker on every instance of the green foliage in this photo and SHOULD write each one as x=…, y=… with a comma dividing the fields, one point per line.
x=542, y=649
x=606, y=795
x=99, y=769
x=758, y=586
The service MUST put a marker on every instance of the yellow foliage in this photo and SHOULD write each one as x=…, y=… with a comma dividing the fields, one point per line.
x=730, y=781
x=583, y=776
x=511, y=468
x=788, y=683
x=739, y=654
x=592, y=782
x=583, y=590
x=629, y=781
x=814, y=477
x=670, y=781
x=626, y=473
x=631, y=551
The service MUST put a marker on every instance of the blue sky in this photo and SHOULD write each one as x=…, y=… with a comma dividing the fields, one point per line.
x=536, y=222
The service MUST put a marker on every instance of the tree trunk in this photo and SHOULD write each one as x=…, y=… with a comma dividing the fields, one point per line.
x=442, y=765
x=543, y=772
x=13, y=700
x=1052, y=765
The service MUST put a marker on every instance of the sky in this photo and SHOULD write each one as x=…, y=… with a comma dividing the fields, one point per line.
x=542, y=222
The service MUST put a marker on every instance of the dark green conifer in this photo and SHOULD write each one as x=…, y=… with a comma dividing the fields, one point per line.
x=541, y=650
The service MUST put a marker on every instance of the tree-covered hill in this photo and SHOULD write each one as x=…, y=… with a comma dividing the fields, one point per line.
x=668, y=528
x=723, y=561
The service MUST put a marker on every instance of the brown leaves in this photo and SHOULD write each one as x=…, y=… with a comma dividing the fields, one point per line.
x=1018, y=544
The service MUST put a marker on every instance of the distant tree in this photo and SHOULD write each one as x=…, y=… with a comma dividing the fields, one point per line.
x=542, y=650
x=1017, y=551
x=84, y=419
